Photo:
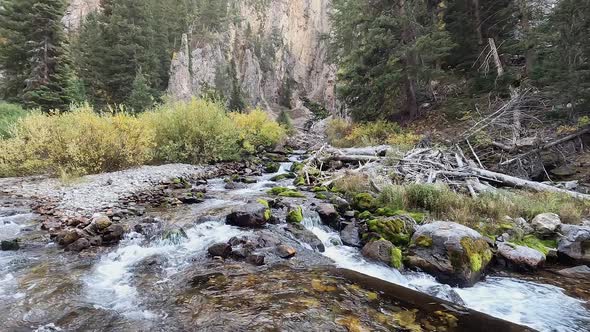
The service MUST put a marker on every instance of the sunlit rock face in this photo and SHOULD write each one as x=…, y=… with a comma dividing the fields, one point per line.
x=273, y=48
x=77, y=10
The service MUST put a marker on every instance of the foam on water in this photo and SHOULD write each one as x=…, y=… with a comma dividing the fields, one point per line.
x=109, y=286
x=542, y=307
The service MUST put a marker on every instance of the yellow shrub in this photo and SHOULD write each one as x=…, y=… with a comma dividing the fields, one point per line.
x=77, y=142
x=257, y=129
x=404, y=140
x=197, y=131
x=337, y=130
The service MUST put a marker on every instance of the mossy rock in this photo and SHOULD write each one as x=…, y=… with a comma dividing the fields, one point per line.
x=277, y=190
x=296, y=167
x=299, y=181
x=396, y=230
x=364, y=202
x=478, y=253
x=319, y=189
x=272, y=167
x=284, y=176
x=389, y=212
x=533, y=242
x=365, y=215
x=423, y=241
x=292, y=193
x=295, y=215
x=321, y=196
x=396, y=258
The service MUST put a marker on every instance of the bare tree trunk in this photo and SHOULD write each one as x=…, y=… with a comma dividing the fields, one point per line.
x=496, y=56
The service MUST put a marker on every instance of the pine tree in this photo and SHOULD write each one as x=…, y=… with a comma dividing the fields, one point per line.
x=236, y=100
x=15, y=28
x=141, y=97
x=49, y=85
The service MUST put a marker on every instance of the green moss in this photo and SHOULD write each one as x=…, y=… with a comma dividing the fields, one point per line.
x=389, y=212
x=277, y=190
x=393, y=230
x=365, y=215
x=295, y=215
x=318, y=189
x=296, y=167
x=396, y=258
x=299, y=181
x=284, y=176
x=533, y=242
x=478, y=253
x=292, y=193
x=263, y=202
x=267, y=212
x=364, y=202
x=321, y=196
x=272, y=167
x=424, y=241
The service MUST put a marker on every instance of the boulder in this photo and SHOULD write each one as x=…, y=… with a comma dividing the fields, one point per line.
x=295, y=214
x=11, y=245
x=574, y=244
x=67, y=237
x=340, y=203
x=101, y=222
x=546, y=224
x=285, y=251
x=397, y=230
x=306, y=236
x=113, y=234
x=328, y=214
x=79, y=245
x=220, y=249
x=455, y=254
x=350, y=235
x=256, y=260
x=578, y=272
x=379, y=251
x=520, y=258
x=253, y=215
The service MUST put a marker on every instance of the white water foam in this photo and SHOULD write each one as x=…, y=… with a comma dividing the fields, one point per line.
x=110, y=287
x=542, y=307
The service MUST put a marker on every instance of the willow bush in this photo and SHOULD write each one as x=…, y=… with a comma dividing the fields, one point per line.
x=84, y=142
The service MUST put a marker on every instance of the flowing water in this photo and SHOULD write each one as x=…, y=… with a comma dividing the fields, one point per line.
x=162, y=286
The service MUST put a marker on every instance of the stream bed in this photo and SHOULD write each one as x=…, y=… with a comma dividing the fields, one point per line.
x=155, y=285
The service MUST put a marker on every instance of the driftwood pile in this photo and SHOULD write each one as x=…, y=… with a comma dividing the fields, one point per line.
x=420, y=165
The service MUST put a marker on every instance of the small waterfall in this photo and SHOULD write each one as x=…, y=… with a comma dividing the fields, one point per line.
x=542, y=307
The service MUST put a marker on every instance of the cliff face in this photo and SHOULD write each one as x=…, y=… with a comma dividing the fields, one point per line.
x=77, y=10
x=276, y=52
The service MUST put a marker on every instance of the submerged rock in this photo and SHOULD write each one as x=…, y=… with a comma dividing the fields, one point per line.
x=520, y=258
x=546, y=224
x=578, y=272
x=444, y=292
x=306, y=236
x=574, y=244
x=453, y=253
x=11, y=245
x=253, y=215
x=174, y=236
x=220, y=249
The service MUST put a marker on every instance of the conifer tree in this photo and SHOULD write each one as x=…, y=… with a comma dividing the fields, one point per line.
x=141, y=96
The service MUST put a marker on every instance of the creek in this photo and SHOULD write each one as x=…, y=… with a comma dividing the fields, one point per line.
x=163, y=286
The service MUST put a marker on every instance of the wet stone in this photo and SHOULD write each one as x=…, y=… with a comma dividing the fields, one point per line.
x=11, y=245
x=220, y=250
x=79, y=245
x=285, y=251
x=257, y=260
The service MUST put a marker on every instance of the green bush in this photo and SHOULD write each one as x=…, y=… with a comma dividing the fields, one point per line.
x=9, y=114
x=197, y=131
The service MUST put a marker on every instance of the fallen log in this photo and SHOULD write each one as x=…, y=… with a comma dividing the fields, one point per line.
x=513, y=181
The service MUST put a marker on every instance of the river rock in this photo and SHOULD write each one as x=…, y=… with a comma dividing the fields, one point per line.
x=79, y=245
x=306, y=236
x=253, y=215
x=102, y=222
x=113, y=234
x=574, y=244
x=256, y=260
x=578, y=272
x=67, y=237
x=175, y=236
x=520, y=258
x=11, y=245
x=444, y=292
x=455, y=254
x=546, y=224
x=379, y=251
x=285, y=251
x=350, y=235
x=220, y=249
x=340, y=203
x=328, y=214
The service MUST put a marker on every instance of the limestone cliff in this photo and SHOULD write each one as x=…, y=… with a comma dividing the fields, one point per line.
x=77, y=10
x=276, y=52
